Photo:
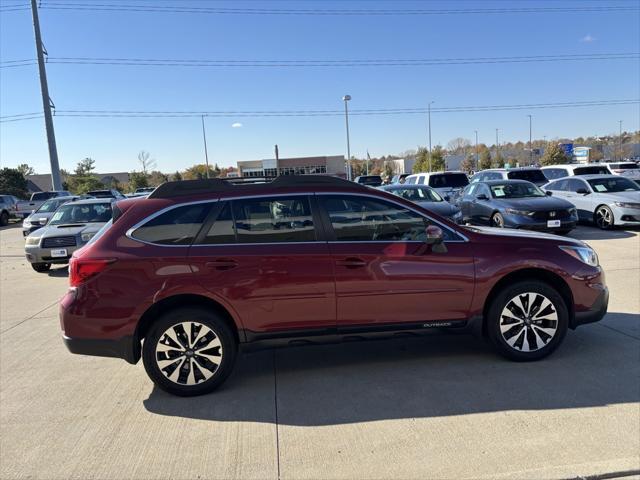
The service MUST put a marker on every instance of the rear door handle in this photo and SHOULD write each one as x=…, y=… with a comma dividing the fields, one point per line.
x=222, y=264
x=351, y=262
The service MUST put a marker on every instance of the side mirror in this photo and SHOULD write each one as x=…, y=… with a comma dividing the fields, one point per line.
x=482, y=196
x=549, y=193
x=582, y=191
x=42, y=221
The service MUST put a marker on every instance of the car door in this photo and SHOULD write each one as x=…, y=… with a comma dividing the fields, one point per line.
x=583, y=202
x=481, y=210
x=264, y=258
x=384, y=272
x=465, y=200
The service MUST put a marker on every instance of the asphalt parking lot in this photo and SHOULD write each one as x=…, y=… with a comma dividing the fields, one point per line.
x=440, y=407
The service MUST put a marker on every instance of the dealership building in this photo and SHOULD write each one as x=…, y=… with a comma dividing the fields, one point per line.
x=332, y=165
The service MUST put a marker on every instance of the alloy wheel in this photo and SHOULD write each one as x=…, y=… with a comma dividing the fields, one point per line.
x=498, y=221
x=188, y=353
x=528, y=322
x=604, y=217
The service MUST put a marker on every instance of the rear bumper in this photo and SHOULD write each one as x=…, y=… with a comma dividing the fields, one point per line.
x=597, y=311
x=125, y=348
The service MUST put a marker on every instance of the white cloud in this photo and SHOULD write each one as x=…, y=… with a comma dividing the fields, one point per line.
x=588, y=38
x=236, y=125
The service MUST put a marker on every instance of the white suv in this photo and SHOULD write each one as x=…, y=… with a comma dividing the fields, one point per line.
x=553, y=172
x=447, y=184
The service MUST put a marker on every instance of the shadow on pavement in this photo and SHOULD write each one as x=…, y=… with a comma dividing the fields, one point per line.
x=439, y=375
x=61, y=271
x=12, y=224
x=589, y=232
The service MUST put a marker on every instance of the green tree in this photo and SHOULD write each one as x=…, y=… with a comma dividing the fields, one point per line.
x=554, y=154
x=12, y=182
x=176, y=177
x=485, y=159
x=137, y=180
x=25, y=169
x=157, y=178
x=86, y=166
x=83, y=180
x=498, y=161
x=198, y=171
x=422, y=160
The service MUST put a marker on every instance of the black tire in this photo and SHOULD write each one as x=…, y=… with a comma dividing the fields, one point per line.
x=537, y=329
x=603, y=217
x=497, y=220
x=191, y=364
x=41, y=267
x=4, y=219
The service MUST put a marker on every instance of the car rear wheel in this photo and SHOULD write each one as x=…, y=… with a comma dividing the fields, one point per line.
x=604, y=217
x=189, y=351
x=4, y=219
x=41, y=267
x=497, y=220
x=527, y=321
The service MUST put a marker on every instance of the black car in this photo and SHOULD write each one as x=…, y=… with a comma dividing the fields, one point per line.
x=369, y=180
x=427, y=198
x=109, y=193
x=516, y=204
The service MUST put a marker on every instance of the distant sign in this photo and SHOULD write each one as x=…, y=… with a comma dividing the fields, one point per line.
x=581, y=152
x=568, y=149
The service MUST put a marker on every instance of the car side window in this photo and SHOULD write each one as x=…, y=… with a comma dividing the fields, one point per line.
x=222, y=230
x=574, y=185
x=471, y=189
x=364, y=219
x=178, y=226
x=271, y=220
x=421, y=180
x=551, y=173
x=410, y=181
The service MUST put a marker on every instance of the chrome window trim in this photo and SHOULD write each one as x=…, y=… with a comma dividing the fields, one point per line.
x=129, y=232
x=464, y=238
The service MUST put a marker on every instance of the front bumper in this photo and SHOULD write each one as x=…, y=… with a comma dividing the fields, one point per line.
x=597, y=311
x=37, y=254
x=527, y=223
x=626, y=216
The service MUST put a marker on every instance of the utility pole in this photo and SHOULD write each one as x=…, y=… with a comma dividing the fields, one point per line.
x=620, y=140
x=430, y=136
x=497, y=145
x=346, y=98
x=530, y=143
x=476, y=149
x=46, y=102
x=204, y=139
x=277, y=161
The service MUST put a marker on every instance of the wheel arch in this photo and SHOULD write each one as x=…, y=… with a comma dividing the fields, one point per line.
x=595, y=211
x=183, y=300
x=528, y=274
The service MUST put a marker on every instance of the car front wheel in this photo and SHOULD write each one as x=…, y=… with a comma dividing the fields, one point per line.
x=189, y=351
x=527, y=321
x=4, y=219
x=604, y=217
x=497, y=220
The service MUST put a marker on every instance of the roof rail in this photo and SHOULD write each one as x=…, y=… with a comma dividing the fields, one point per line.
x=211, y=185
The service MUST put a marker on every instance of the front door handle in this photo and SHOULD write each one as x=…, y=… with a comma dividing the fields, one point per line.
x=351, y=262
x=222, y=264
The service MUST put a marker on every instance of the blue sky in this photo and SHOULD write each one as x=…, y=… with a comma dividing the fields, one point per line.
x=176, y=143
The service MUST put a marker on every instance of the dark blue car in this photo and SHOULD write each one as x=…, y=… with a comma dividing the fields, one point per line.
x=516, y=204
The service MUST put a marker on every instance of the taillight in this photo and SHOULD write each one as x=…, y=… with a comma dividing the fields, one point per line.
x=81, y=270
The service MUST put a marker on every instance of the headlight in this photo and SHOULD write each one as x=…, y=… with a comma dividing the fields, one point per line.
x=26, y=224
x=33, y=240
x=87, y=236
x=584, y=254
x=513, y=211
x=627, y=205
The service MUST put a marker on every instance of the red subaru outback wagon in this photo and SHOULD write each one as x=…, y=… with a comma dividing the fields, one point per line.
x=186, y=276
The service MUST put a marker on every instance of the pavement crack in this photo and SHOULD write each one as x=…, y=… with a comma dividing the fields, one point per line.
x=28, y=318
x=620, y=332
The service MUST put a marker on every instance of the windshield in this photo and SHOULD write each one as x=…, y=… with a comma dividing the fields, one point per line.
x=49, y=206
x=529, y=175
x=516, y=190
x=371, y=180
x=619, y=184
x=39, y=196
x=79, y=213
x=418, y=194
x=449, y=180
x=591, y=171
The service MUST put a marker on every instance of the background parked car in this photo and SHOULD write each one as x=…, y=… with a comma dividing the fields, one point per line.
x=427, y=198
x=42, y=215
x=399, y=179
x=448, y=184
x=516, y=204
x=7, y=208
x=607, y=200
x=553, y=172
x=626, y=169
x=530, y=174
x=109, y=193
x=369, y=180
x=24, y=208
x=70, y=227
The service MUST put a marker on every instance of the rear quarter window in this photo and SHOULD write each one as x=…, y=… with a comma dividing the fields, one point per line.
x=178, y=226
x=529, y=175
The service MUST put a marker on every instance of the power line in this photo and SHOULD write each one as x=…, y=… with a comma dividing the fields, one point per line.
x=398, y=62
x=330, y=12
x=314, y=113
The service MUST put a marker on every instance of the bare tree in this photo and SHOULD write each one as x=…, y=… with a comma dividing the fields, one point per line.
x=458, y=145
x=146, y=161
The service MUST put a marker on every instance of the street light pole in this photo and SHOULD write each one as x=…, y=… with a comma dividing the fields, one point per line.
x=530, y=143
x=204, y=139
x=430, y=136
x=476, y=149
x=346, y=98
x=620, y=140
x=497, y=145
